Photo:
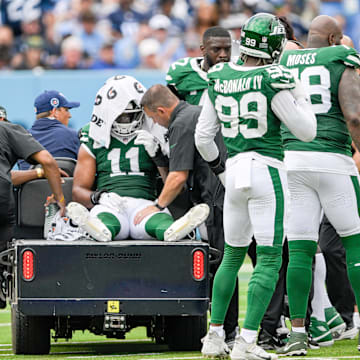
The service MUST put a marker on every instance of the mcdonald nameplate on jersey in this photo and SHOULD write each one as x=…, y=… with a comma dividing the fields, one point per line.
x=238, y=85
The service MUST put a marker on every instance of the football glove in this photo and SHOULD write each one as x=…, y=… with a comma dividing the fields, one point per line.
x=95, y=196
x=152, y=147
x=149, y=141
x=218, y=168
x=298, y=92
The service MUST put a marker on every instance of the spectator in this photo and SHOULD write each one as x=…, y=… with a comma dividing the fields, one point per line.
x=7, y=49
x=171, y=48
x=106, y=59
x=30, y=26
x=126, y=53
x=90, y=37
x=125, y=20
x=148, y=50
x=191, y=42
x=32, y=55
x=206, y=16
x=178, y=26
x=72, y=55
x=51, y=125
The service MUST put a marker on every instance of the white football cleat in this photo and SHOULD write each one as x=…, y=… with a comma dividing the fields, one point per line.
x=80, y=215
x=181, y=227
x=245, y=351
x=214, y=346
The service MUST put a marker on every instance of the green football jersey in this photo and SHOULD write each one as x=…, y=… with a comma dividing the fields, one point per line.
x=188, y=78
x=242, y=99
x=124, y=168
x=320, y=71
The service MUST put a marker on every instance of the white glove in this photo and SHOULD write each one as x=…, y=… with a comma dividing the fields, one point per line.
x=149, y=141
x=113, y=201
x=298, y=92
x=222, y=177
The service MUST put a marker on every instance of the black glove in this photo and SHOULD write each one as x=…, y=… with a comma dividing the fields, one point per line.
x=217, y=166
x=95, y=196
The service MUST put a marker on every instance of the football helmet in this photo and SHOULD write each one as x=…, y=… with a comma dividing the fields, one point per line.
x=263, y=36
x=130, y=120
x=117, y=111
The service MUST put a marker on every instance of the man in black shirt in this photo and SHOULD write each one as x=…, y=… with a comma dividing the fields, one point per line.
x=187, y=168
x=16, y=143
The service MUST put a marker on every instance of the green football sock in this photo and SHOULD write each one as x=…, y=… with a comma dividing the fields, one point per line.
x=262, y=284
x=352, y=247
x=225, y=281
x=111, y=222
x=299, y=276
x=158, y=224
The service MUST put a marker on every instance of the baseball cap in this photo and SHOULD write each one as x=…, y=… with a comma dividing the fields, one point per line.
x=50, y=99
x=3, y=113
x=159, y=21
x=149, y=47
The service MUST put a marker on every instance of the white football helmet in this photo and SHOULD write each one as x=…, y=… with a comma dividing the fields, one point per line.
x=129, y=121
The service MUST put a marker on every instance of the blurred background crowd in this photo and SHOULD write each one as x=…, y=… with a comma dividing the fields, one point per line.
x=138, y=34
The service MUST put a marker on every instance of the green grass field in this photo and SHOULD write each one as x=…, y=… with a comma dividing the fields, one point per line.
x=137, y=346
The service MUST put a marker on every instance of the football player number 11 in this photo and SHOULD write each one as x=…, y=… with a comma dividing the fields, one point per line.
x=230, y=126
x=132, y=155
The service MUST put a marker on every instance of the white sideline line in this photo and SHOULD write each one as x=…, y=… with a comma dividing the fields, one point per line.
x=5, y=324
x=119, y=341
x=176, y=357
x=112, y=356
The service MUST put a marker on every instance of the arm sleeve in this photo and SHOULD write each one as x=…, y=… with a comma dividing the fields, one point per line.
x=22, y=143
x=297, y=115
x=205, y=132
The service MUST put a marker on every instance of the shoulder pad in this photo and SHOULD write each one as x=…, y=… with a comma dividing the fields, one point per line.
x=350, y=56
x=177, y=71
x=84, y=133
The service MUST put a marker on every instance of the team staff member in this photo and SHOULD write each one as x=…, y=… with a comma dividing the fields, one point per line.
x=51, y=125
x=16, y=143
x=186, y=167
x=19, y=177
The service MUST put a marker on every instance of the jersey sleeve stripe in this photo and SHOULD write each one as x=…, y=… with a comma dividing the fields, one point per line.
x=88, y=151
x=353, y=59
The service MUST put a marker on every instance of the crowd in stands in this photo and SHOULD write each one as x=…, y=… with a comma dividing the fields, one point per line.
x=129, y=34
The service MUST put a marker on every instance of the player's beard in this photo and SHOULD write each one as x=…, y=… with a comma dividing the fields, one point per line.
x=209, y=61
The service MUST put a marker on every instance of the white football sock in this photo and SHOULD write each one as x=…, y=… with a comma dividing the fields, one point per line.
x=320, y=294
x=218, y=329
x=298, y=329
x=248, y=335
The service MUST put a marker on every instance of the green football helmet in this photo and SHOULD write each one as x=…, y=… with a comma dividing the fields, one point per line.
x=263, y=36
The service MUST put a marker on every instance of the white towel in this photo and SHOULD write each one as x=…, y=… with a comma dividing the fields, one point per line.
x=243, y=179
x=111, y=100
